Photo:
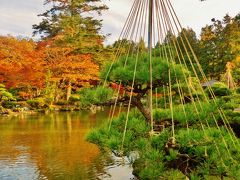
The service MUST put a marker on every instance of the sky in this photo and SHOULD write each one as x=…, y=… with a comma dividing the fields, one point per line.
x=18, y=16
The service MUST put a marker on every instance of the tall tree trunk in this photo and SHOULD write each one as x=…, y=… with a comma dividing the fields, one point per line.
x=69, y=90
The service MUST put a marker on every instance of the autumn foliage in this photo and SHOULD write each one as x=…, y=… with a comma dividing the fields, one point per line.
x=21, y=64
x=25, y=63
x=68, y=66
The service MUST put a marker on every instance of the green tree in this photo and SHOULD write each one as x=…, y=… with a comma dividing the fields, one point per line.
x=124, y=46
x=141, y=45
x=123, y=77
x=73, y=24
x=74, y=43
x=219, y=45
x=52, y=24
x=165, y=49
x=184, y=38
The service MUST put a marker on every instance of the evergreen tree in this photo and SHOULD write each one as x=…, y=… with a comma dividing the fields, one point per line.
x=75, y=45
x=120, y=76
x=141, y=46
x=73, y=24
x=219, y=45
x=186, y=37
x=52, y=24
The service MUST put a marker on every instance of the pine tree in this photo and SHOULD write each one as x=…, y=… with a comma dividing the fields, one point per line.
x=71, y=23
x=72, y=29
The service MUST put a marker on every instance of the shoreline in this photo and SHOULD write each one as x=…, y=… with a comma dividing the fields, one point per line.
x=54, y=108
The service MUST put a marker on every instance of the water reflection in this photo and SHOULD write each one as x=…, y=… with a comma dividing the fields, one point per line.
x=51, y=146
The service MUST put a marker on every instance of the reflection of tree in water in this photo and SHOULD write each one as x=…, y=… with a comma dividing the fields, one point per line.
x=55, y=144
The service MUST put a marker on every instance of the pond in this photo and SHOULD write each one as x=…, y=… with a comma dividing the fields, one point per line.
x=53, y=146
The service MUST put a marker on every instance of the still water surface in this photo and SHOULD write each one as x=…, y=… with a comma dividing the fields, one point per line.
x=53, y=146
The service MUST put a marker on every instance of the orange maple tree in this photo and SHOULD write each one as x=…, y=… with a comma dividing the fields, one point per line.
x=24, y=65
x=21, y=64
x=71, y=67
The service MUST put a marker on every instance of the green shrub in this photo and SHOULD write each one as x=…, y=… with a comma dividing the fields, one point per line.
x=236, y=98
x=193, y=85
x=174, y=175
x=74, y=98
x=236, y=119
x=5, y=95
x=230, y=105
x=227, y=98
x=152, y=171
x=49, y=100
x=103, y=94
x=62, y=102
x=191, y=115
x=219, y=89
x=13, y=91
x=238, y=90
x=10, y=104
x=97, y=95
x=98, y=136
x=37, y=103
x=206, y=150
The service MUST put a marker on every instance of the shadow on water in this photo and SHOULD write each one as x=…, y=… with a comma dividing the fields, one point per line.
x=53, y=146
